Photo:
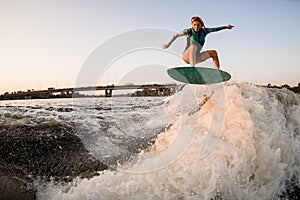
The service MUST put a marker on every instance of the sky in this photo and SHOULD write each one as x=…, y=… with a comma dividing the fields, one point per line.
x=47, y=43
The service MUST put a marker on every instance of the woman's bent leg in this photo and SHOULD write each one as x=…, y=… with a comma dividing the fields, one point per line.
x=214, y=55
x=209, y=54
x=192, y=55
x=189, y=56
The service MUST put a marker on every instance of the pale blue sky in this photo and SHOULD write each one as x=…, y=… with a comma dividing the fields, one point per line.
x=45, y=43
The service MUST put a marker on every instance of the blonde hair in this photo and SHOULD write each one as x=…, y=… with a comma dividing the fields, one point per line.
x=198, y=19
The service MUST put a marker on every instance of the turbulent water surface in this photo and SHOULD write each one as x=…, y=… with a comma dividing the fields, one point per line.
x=232, y=141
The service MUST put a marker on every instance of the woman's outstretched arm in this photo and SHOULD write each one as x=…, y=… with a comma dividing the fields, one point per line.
x=165, y=46
x=229, y=26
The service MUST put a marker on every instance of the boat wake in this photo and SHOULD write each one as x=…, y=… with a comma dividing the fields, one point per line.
x=228, y=141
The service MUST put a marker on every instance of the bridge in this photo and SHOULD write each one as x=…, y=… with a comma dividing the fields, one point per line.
x=156, y=90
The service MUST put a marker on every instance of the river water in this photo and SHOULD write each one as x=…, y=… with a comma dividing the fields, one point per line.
x=229, y=141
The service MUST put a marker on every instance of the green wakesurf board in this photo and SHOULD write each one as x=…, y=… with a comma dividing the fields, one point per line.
x=198, y=75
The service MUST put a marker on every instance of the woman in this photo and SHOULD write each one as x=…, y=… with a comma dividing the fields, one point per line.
x=195, y=41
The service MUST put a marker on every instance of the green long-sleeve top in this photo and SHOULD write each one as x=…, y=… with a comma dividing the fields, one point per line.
x=193, y=37
x=198, y=38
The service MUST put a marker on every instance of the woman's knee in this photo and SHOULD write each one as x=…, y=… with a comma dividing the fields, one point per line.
x=212, y=53
x=186, y=60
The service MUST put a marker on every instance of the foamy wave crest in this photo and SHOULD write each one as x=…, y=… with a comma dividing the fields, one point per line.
x=254, y=155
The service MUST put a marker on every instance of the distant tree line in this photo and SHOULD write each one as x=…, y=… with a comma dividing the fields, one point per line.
x=295, y=89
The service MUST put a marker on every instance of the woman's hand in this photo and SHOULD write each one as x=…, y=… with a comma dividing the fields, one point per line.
x=165, y=46
x=229, y=26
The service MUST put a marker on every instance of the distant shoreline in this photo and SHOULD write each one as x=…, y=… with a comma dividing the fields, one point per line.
x=295, y=89
x=154, y=90
x=137, y=93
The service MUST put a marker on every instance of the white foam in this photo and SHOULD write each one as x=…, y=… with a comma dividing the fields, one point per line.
x=248, y=156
